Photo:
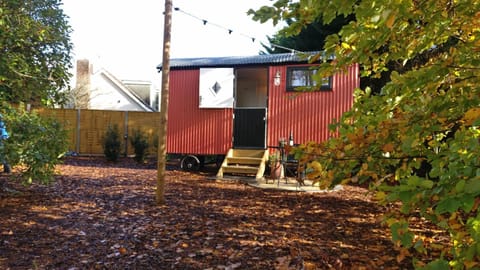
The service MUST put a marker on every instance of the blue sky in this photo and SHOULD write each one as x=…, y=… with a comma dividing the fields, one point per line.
x=125, y=37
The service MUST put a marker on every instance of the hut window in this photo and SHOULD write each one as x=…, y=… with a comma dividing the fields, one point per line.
x=303, y=78
x=216, y=88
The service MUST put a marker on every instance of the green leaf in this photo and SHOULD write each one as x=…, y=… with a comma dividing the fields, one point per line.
x=460, y=186
x=447, y=205
x=406, y=196
x=426, y=184
x=467, y=203
x=413, y=181
x=401, y=233
x=472, y=186
x=439, y=264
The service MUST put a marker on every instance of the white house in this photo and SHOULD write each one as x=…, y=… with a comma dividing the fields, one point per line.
x=101, y=90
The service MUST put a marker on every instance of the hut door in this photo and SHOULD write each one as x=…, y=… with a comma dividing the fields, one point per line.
x=249, y=128
x=249, y=124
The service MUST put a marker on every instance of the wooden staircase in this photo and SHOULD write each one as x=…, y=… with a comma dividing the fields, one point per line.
x=245, y=162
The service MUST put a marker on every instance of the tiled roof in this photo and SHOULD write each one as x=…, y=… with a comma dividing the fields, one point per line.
x=234, y=61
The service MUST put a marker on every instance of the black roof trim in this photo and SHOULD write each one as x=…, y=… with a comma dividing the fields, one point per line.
x=235, y=61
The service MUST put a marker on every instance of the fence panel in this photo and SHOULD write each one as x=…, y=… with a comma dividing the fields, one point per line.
x=94, y=125
x=87, y=128
x=147, y=123
x=69, y=119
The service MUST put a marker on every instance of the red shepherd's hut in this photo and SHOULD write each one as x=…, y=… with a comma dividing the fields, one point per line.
x=224, y=106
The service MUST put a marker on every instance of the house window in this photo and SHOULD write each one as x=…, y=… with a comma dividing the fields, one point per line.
x=303, y=79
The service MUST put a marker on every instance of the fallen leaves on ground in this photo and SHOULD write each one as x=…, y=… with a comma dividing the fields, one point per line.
x=100, y=215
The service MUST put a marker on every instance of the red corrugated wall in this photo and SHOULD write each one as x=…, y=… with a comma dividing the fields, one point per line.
x=307, y=115
x=192, y=130
x=209, y=131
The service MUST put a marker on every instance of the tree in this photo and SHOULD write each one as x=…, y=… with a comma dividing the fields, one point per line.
x=34, y=62
x=310, y=38
x=35, y=51
x=77, y=98
x=418, y=141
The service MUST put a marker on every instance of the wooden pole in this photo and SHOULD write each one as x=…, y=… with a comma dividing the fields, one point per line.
x=162, y=138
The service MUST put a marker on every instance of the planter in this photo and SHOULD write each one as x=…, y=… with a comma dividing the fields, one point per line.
x=276, y=169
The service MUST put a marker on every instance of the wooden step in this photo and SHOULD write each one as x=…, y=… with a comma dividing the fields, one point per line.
x=244, y=161
x=240, y=169
x=247, y=153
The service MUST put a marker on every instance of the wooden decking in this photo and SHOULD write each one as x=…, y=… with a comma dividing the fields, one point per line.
x=244, y=162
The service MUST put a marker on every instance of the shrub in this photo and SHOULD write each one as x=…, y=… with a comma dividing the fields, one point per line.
x=112, y=143
x=37, y=143
x=139, y=141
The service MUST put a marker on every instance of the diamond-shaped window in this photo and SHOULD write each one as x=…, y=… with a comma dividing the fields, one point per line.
x=216, y=87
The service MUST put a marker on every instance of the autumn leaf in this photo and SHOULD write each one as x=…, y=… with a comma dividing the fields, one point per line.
x=391, y=19
x=122, y=250
x=470, y=264
x=282, y=263
x=471, y=115
x=388, y=148
x=402, y=254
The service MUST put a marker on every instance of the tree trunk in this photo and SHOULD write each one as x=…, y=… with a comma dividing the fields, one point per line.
x=162, y=138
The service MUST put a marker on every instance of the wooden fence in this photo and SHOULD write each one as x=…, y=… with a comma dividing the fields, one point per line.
x=87, y=128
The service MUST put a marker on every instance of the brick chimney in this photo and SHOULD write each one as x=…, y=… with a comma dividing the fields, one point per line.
x=83, y=84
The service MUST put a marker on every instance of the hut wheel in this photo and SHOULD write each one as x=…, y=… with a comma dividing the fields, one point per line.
x=190, y=163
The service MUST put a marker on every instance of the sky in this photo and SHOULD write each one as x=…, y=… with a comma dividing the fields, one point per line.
x=126, y=37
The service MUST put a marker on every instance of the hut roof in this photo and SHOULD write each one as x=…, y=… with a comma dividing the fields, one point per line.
x=235, y=61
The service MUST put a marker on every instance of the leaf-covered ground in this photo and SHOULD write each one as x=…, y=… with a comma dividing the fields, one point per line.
x=99, y=215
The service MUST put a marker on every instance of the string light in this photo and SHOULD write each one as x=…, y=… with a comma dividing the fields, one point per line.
x=285, y=48
x=204, y=21
x=229, y=30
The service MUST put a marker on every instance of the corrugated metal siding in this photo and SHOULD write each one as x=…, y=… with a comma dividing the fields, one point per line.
x=307, y=115
x=192, y=130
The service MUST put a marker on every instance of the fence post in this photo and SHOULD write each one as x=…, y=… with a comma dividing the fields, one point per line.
x=77, y=133
x=125, y=136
